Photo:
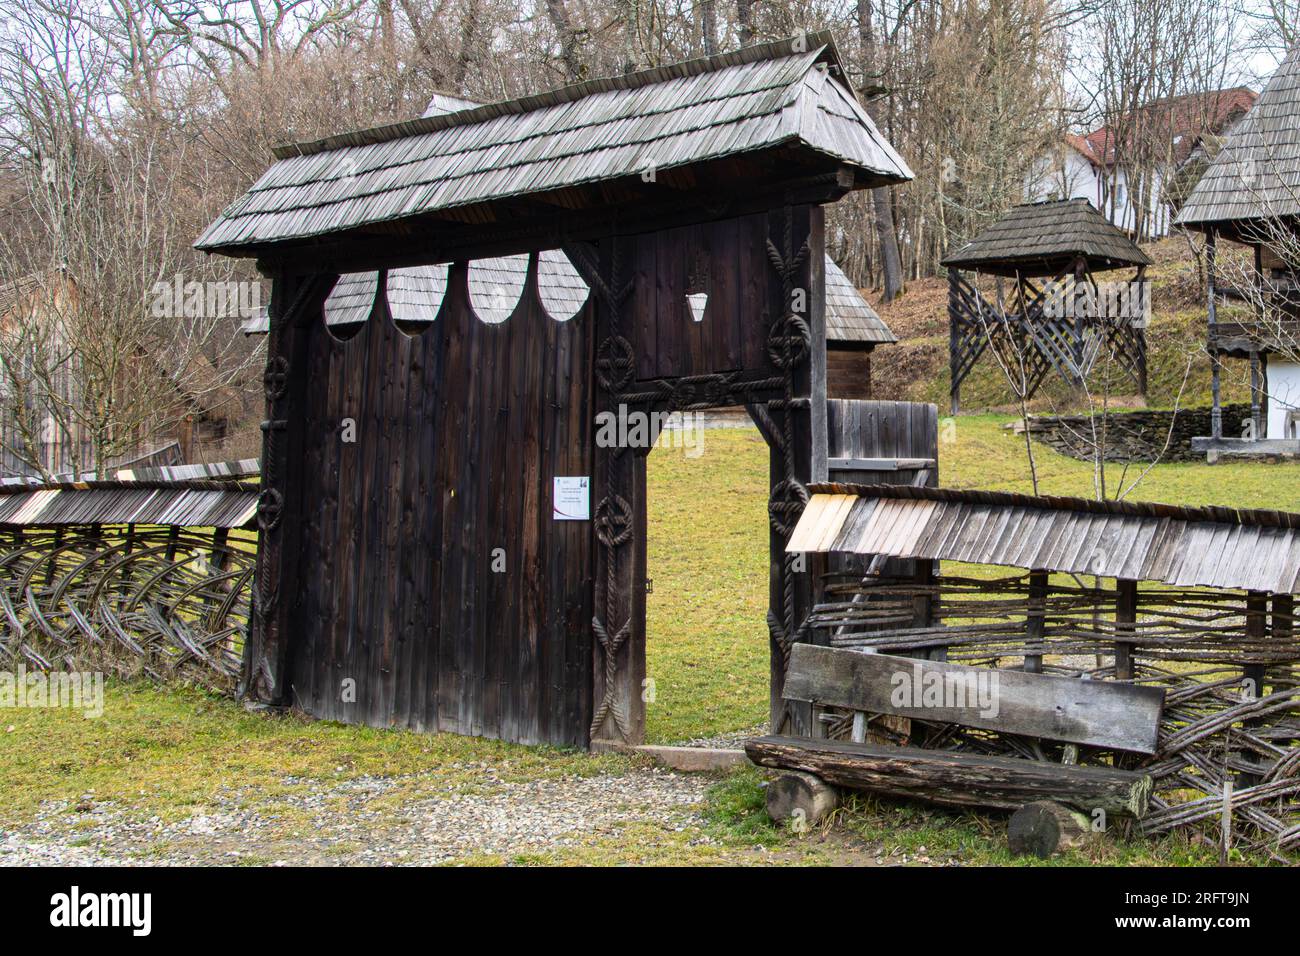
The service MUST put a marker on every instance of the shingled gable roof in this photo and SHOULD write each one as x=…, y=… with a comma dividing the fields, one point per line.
x=1045, y=237
x=1256, y=175
x=778, y=95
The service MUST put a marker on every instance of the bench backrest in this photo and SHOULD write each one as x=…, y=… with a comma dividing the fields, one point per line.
x=1095, y=713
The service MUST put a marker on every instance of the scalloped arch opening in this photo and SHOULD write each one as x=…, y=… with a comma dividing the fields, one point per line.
x=415, y=296
x=349, y=304
x=560, y=287
x=495, y=286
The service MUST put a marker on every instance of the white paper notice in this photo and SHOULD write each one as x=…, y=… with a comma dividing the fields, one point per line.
x=572, y=499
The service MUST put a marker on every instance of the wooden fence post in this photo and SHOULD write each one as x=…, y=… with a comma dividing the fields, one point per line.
x=296, y=305
x=1125, y=623
x=1036, y=625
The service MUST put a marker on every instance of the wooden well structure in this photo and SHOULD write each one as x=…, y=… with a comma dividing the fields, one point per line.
x=413, y=569
x=1049, y=316
x=1250, y=194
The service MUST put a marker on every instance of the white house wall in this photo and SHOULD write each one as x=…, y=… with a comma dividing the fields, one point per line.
x=1283, y=397
x=1068, y=175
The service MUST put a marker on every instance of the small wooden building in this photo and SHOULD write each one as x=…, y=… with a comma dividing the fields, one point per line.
x=853, y=330
x=444, y=544
x=1054, y=317
x=1250, y=194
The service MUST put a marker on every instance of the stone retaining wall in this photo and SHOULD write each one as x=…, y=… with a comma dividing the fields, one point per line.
x=1135, y=436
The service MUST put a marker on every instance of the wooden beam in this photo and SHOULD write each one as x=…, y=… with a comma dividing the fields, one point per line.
x=428, y=240
x=1036, y=625
x=880, y=464
x=1096, y=713
x=1125, y=620
x=956, y=779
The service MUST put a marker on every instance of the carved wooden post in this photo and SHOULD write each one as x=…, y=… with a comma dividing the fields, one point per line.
x=618, y=486
x=797, y=346
x=1216, y=409
x=295, y=312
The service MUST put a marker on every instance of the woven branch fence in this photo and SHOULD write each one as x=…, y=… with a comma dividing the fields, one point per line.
x=164, y=603
x=1232, y=682
x=170, y=602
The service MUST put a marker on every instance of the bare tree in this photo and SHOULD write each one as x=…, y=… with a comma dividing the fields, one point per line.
x=569, y=38
x=88, y=360
x=883, y=215
x=1013, y=343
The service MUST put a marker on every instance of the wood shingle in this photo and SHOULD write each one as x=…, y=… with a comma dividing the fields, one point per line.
x=1256, y=175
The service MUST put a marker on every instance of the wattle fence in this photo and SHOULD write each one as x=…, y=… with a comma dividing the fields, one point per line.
x=130, y=577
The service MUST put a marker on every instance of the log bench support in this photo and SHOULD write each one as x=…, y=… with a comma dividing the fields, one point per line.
x=956, y=779
x=802, y=799
x=1044, y=828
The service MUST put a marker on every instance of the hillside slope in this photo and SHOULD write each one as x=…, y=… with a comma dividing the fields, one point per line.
x=916, y=369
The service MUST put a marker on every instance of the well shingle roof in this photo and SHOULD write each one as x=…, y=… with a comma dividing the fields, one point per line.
x=757, y=98
x=1043, y=238
x=212, y=504
x=1256, y=175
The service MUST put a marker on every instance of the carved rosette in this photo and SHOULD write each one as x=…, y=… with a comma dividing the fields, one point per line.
x=613, y=517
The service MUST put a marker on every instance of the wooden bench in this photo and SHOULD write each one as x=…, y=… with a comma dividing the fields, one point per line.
x=1103, y=714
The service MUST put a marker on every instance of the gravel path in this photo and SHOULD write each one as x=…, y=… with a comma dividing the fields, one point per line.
x=731, y=740
x=366, y=821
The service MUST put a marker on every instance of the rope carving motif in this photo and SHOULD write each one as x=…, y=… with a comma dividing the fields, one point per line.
x=789, y=343
x=613, y=518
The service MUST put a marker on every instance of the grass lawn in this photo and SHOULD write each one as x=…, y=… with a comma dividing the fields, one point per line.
x=163, y=752
x=706, y=637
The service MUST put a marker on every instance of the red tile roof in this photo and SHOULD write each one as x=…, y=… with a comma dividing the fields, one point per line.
x=1184, y=119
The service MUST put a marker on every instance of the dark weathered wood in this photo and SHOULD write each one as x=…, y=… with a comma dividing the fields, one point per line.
x=459, y=431
x=1036, y=623
x=848, y=370
x=1044, y=828
x=1096, y=713
x=801, y=798
x=402, y=616
x=955, y=779
x=296, y=302
x=1125, y=620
